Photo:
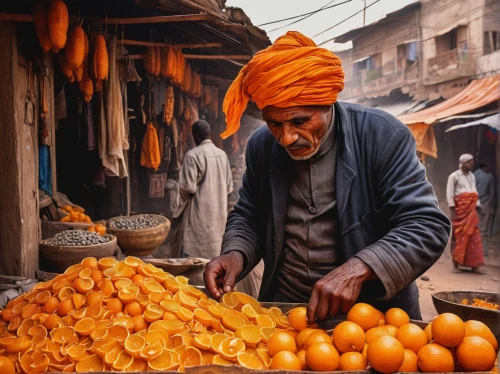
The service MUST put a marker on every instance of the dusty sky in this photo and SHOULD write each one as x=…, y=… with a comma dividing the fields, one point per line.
x=263, y=11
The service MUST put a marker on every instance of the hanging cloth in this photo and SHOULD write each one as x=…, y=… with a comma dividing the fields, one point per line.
x=45, y=169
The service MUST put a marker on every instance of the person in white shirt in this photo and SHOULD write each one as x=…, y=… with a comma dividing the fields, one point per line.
x=463, y=200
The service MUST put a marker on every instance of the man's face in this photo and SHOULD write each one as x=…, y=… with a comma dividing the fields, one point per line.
x=469, y=165
x=299, y=129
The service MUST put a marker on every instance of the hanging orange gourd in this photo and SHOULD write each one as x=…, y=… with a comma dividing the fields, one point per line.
x=181, y=67
x=149, y=62
x=40, y=18
x=169, y=104
x=163, y=57
x=171, y=63
x=75, y=47
x=58, y=24
x=66, y=69
x=150, y=150
x=100, y=61
x=157, y=66
x=86, y=87
x=78, y=72
x=186, y=82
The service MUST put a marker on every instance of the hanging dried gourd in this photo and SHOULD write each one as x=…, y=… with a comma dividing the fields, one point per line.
x=75, y=47
x=150, y=150
x=40, y=18
x=100, y=61
x=157, y=66
x=205, y=97
x=181, y=103
x=214, y=102
x=171, y=63
x=58, y=24
x=149, y=62
x=78, y=72
x=181, y=67
x=187, y=110
x=66, y=69
x=169, y=104
x=164, y=59
x=86, y=87
x=186, y=82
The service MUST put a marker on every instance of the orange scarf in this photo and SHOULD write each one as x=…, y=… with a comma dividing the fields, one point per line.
x=292, y=72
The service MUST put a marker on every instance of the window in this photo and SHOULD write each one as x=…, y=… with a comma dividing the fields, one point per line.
x=491, y=42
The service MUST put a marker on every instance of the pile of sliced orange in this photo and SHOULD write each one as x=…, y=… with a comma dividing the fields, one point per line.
x=108, y=315
x=131, y=316
x=480, y=303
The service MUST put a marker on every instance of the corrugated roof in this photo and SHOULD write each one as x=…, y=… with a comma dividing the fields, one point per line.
x=480, y=92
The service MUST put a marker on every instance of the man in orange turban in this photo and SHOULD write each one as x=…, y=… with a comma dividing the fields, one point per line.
x=334, y=198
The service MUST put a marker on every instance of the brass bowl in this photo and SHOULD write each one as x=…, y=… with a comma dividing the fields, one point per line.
x=451, y=302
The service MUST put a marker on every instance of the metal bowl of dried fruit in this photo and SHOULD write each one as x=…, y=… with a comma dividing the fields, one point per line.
x=476, y=305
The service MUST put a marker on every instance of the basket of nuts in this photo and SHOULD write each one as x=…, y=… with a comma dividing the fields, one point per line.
x=72, y=246
x=139, y=235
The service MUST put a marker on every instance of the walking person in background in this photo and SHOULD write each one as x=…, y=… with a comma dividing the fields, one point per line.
x=486, y=191
x=463, y=200
x=205, y=181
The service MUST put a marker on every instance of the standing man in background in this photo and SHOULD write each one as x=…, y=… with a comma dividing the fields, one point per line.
x=463, y=200
x=205, y=181
x=486, y=190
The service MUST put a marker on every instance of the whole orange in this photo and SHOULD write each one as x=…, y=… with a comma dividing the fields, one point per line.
x=379, y=331
x=114, y=305
x=396, y=317
x=348, y=337
x=302, y=358
x=285, y=360
x=133, y=309
x=301, y=337
x=6, y=366
x=428, y=332
x=434, y=358
x=410, y=362
x=475, y=354
x=364, y=315
x=281, y=341
x=317, y=337
x=352, y=361
x=477, y=328
x=412, y=337
x=386, y=354
x=322, y=357
x=298, y=318
x=448, y=330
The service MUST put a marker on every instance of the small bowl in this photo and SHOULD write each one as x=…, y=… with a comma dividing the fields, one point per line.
x=451, y=302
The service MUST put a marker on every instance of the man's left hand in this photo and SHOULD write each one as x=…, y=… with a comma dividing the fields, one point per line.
x=338, y=290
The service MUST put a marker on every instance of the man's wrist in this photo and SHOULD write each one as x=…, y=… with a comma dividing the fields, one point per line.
x=365, y=271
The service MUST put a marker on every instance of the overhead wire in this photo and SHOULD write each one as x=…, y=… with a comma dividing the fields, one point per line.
x=298, y=16
x=309, y=15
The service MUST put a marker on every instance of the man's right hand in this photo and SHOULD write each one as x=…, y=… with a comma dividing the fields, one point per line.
x=221, y=273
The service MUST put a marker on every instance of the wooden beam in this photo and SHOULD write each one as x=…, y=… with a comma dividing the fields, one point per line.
x=218, y=57
x=133, y=57
x=156, y=44
x=25, y=17
x=145, y=20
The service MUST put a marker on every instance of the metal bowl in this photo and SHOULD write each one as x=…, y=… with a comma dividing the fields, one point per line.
x=451, y=302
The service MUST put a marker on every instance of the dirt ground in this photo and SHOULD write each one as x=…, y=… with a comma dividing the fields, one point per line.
x=442, y=279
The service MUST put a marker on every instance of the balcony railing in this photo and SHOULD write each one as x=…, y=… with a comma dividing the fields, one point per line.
x=443, y=60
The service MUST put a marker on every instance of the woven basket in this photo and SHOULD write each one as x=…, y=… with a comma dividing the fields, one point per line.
x=57, y=259
x=141, y=242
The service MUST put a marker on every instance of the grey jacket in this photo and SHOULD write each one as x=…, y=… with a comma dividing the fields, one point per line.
x=388, y=213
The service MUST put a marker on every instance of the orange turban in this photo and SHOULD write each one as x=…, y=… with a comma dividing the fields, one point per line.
x=292, y=72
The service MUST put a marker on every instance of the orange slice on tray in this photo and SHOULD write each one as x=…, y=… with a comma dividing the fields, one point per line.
x=150, y=285
x=249, y=361
x=111, y=356
x=230, y=348
x=202, y=316
x=202, y=341
x=89, y=364
x=232, y=322
x=106, y=263
x=191, y=357
x=85, y=326
x=219, y=360
x=77, y=352
x=187, y=301
x=251, y=335
x=133, y=345
x=137, y=365
x=150, y=352
x=161, y=363
x=264, y=321
x=78, y=300
x=230, y=300
x=123, y=360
